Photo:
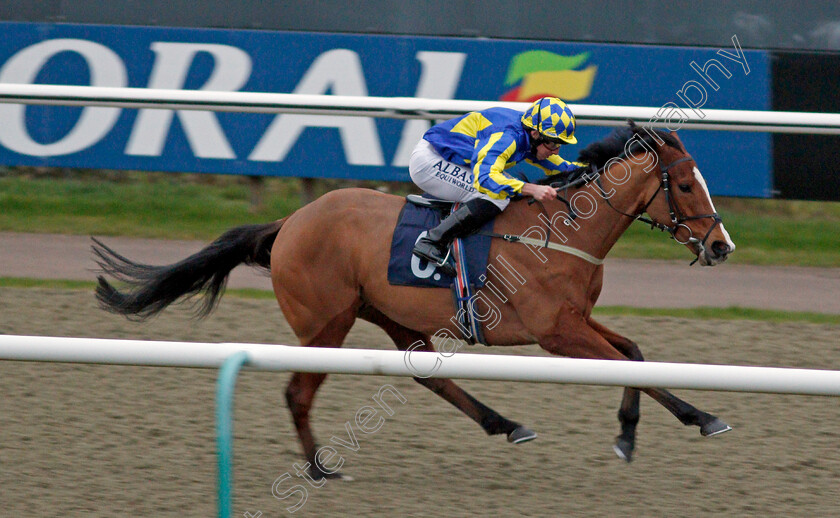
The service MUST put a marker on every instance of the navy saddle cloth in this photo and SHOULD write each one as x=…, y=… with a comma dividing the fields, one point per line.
x=407, y=270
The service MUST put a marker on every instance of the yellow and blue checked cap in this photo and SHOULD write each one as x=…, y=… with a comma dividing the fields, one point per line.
x=552, y=118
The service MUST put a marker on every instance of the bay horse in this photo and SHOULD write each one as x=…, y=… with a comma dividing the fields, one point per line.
x=328, y=263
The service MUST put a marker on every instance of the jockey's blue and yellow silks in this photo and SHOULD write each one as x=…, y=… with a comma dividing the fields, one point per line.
x=490, y=141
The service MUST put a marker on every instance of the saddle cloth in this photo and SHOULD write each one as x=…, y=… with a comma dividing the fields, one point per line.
x=405, y=269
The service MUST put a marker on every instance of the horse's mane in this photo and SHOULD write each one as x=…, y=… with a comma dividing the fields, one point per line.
x=612, y=146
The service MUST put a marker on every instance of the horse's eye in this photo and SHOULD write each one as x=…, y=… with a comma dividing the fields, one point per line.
x=685, y=188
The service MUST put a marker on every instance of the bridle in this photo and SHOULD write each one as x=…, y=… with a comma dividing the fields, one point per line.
x=677, y=219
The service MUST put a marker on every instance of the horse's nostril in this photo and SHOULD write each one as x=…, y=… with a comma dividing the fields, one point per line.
x=720, y=248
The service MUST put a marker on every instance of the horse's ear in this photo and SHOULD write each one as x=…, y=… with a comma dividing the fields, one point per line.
x=635, y=129
x=677, y=138
x=648, y=133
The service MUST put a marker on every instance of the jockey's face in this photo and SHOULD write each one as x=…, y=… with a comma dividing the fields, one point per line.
x=544, y=149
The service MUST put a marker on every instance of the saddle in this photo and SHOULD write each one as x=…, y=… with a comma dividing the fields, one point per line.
x=470, y=263
x=430, y=203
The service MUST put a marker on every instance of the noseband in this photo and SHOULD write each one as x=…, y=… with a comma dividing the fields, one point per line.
x=677, y=219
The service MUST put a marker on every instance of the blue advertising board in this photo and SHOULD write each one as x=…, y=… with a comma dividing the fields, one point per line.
x=363, y=65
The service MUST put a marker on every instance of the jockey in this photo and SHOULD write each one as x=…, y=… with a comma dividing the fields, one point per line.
x=464, y=160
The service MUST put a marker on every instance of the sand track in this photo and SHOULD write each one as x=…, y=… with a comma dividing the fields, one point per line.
x=99, y=441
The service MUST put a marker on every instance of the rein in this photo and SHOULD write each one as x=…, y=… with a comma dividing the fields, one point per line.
x=514, y=238
x=677, y=219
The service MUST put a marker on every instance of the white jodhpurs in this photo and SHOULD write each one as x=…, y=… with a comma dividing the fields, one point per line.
x=442, y=179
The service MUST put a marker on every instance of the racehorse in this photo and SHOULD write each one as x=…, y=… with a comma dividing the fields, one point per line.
x=328, y=263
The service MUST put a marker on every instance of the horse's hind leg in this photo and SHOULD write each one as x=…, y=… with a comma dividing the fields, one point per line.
x=489, y=419
x=301, y=390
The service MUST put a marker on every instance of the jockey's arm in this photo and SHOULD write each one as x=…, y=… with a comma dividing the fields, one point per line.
x=489, y=163
x=554, y=165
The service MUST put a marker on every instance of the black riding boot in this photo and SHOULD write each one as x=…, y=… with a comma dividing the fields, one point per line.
x=468, y=218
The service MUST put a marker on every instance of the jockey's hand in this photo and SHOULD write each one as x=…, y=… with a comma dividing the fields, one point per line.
x=541, y=193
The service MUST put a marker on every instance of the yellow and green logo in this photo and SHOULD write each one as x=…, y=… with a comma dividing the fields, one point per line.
x=539, y=73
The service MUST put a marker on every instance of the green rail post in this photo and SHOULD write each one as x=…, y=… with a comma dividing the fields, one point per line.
x=224, y=429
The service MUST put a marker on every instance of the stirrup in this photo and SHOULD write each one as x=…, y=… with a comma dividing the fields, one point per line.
x=443, y=264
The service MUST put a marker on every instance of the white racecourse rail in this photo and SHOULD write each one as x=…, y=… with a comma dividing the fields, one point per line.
x=396, y=363
x=667, y=116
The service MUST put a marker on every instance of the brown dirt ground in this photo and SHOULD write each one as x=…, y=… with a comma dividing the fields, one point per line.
x=139, y=441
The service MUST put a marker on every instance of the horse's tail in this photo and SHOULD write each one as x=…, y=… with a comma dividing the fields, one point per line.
x=204, y=274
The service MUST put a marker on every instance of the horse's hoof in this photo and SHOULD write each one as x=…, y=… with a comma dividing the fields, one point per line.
x=624, y=449
x=521, y=434
x=320, y=475
x=714, y=428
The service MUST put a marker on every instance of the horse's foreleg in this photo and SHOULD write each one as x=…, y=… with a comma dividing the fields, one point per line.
x=687, y=414
x=580, y=339
x=489, y=419
x=628, y=412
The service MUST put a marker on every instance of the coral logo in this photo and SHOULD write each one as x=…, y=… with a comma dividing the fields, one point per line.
x=540, y=74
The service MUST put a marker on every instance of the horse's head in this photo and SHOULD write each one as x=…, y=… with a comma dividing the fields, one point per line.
x=684, y=204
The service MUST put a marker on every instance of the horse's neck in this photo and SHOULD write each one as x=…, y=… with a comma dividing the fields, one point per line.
x=597, y=228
